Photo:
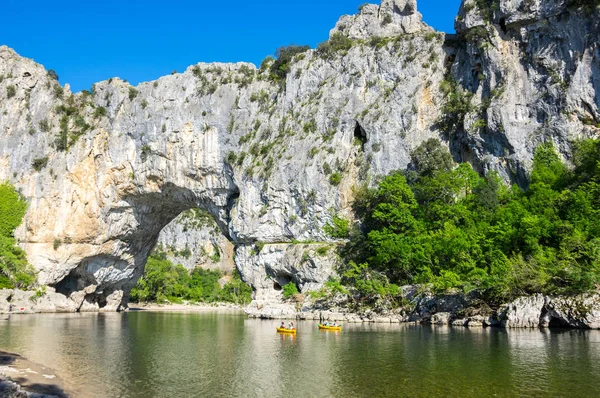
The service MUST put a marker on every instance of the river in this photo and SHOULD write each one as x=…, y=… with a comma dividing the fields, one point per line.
x=162, y=354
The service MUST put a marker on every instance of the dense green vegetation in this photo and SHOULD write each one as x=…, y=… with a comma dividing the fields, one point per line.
x=442, y=224
x=281, y=66
x=338, y=43
x=457, y=104
x=164, y=281
x=15, y=272
x=338, y=228
x=290, y=289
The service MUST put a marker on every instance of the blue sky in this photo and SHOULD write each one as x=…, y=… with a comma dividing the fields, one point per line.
x=141, y=40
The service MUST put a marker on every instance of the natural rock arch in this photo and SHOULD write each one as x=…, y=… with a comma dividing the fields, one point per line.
x=143, y=197
x=205, y=136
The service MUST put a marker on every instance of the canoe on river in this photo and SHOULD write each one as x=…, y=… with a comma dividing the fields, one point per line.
x=286, y=330
x=330, y=327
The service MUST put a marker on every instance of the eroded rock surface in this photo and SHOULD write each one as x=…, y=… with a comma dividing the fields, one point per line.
x=391, y=18
x=194, y=240
x=124, y=162
x=581, y=311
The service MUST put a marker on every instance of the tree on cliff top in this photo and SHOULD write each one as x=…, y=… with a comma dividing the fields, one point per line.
x=281, y=66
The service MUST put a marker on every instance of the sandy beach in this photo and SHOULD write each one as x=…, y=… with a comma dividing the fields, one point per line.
x=190, y=307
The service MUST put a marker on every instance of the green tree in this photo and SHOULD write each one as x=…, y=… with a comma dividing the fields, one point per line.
x=338, y=43
x=431, y=157
x=290, y=289
x=164, y=281
x=282, y=65
x=452, y=229
x=12, y=209
x=14, y=269
x=547, y=166
x=53, y=74
x=338, y=228
x=393, y=203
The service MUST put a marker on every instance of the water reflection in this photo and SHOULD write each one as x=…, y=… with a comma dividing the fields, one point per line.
x=209, y=354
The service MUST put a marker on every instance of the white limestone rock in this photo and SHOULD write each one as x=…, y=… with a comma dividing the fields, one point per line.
x=269, y=310
x=225, y=138
x=582, y=311
x=524, y=312
x=276, y=265
x=441, y=318
x=391, y=18
x=194, y=241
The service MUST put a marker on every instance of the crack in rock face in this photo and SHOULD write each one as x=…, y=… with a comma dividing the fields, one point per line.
x=257, y=155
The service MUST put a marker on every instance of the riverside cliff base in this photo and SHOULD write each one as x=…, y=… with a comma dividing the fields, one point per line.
x=581, y=311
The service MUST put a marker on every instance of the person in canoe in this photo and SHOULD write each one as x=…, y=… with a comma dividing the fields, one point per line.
x=291, y=326
x=282, y=325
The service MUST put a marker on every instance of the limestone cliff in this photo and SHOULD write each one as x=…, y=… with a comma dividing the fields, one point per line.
x=115, y=165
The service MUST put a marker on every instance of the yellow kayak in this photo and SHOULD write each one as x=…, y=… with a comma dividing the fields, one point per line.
x=286, y=330
x=330, y=327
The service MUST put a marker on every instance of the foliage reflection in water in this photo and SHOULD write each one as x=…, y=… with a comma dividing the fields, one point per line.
x=143, y=354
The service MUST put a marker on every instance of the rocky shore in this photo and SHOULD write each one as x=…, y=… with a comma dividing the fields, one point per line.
x=20, y=378
x=14, y=301
x=458, y=309
x=582, y=311
x=186, y=307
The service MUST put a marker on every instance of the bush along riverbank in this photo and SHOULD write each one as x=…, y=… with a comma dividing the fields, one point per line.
x=463, y=246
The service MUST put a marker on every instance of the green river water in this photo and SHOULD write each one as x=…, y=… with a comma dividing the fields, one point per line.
x=146, y=354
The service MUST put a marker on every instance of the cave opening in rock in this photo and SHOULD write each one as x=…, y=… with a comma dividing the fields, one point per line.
x=281, y=280
x=78, y=279
x=186, y=227
x=503, y=25
x=360, y=135
x=189, y=227
x=556, y=323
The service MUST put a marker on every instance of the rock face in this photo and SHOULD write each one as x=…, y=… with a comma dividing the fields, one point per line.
x=581, y=312
x=121, y=163
x=524, y=312
x=276, y=265
x=391, y=18
x=9, y=389
x=193, y=239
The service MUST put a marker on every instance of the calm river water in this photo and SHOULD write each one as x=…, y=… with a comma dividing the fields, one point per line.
x=144, y=354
